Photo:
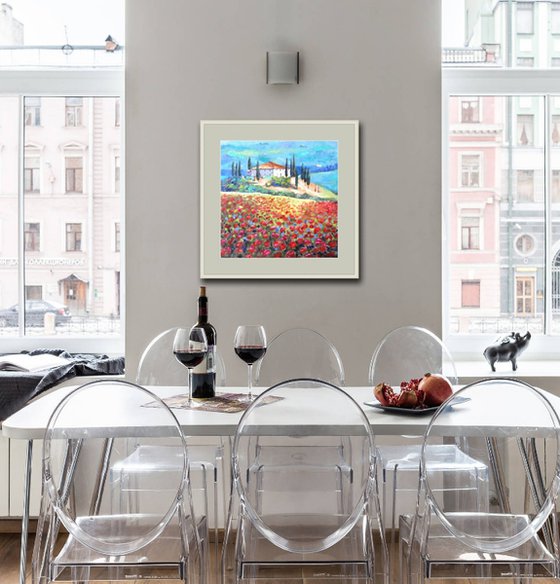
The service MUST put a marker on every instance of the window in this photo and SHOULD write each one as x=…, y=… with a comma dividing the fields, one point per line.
x=32, y=237
x=117, y=237
x=73, y=237
x=555, y=186
x=32, y=111
x=524, y=295
x=555, y=18
x=526, y=186
x=470, y=170
x=31, y=174
x=555, y=130
x=525, y=244
x=470, y=233
x=525, y=61
x=525, y=129
x=33, y=292
x=74, y=174
x=470, y=110
x=74, y=107
x=47, y=114
x=117, y=174
x=524, y=18
x=518, y=194
x=470, y=293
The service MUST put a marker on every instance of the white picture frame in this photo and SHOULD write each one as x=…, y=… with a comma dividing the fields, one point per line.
x=252, y=202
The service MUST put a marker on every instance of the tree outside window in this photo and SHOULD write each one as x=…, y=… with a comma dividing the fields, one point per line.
x=73, y=237
x=470, y=232
x=74, y=174
x=74, y=111
x=32, y=236
x=32, y=111
x=470, y=170
x=31, y=174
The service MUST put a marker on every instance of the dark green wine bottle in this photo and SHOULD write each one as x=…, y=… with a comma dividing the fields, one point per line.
x=204, y=375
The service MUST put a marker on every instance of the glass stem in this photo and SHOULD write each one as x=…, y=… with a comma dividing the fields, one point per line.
x=250, y=381
x=189, y=383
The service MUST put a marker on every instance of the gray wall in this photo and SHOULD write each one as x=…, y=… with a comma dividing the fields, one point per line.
x=377, y=61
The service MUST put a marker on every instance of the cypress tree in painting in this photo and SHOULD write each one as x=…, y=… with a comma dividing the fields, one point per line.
x=249, y=165
x=258, y=173
x=286, y=168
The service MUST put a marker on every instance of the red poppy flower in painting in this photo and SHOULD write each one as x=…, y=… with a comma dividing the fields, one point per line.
x=261, y=226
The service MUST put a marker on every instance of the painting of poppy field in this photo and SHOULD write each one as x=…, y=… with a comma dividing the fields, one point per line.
x=279, y=199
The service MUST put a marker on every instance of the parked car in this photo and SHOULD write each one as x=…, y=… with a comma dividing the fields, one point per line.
x=35, y=311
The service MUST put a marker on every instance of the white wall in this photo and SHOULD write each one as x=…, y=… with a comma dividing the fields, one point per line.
x=377, y=61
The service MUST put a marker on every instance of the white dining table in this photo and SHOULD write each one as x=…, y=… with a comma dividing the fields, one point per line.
x=30, y=422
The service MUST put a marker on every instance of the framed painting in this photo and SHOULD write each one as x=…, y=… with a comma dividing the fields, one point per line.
x=279, y=199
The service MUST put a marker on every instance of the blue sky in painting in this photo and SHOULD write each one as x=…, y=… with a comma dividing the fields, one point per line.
x=317, y=155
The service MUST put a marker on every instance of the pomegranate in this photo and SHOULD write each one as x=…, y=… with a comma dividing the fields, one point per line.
x=383, y=394
x=407, y=399
x=436, y=389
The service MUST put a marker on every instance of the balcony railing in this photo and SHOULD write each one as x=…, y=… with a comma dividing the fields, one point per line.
x=67, y=56
x=487, y=54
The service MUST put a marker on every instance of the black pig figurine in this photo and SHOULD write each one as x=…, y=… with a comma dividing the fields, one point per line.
x=507, y=349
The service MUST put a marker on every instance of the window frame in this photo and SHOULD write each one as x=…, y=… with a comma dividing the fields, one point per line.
x=490, y=82
x=460, y=166
x=470, y=282
x=55, y=83
x=466, y=214
x=70, y=234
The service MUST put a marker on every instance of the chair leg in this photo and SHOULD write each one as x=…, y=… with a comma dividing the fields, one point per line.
x=227, y=535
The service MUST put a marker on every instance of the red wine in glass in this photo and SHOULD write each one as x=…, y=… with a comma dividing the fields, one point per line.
x=250, y=353
x=250, y=346
x=190, y=358
x=190, y=347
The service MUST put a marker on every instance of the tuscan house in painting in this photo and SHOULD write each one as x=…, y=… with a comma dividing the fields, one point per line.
x=268, y=170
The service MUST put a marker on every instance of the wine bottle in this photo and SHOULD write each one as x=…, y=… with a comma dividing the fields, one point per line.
x=204, y=375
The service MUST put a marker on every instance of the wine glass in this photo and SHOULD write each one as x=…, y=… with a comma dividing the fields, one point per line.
x=250, y=346
x=190, y=347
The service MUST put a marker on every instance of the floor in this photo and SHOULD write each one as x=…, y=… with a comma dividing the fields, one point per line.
x=9, y=567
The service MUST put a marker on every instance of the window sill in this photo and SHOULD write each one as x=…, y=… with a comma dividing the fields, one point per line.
x=467, y=370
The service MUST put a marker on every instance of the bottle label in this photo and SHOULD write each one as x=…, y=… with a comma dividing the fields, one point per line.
x=208, y=364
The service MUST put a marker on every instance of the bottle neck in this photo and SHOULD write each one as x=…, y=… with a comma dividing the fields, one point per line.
x=203, y=310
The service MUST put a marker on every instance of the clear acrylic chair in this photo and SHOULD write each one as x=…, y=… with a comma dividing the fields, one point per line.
x=292, y=520
x=517, y=537
x=89, y=434
x=299, y=352
x=158, y=367
x=405, y=353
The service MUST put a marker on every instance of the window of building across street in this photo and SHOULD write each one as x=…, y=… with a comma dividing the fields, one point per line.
x=60, y=136
x=504, y=171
